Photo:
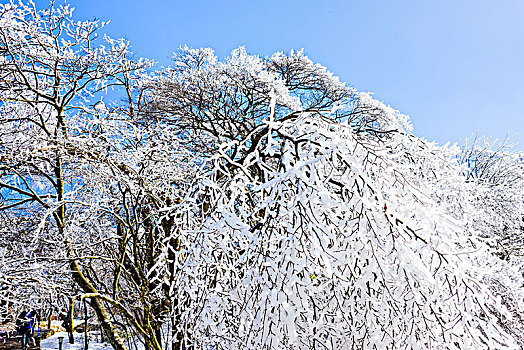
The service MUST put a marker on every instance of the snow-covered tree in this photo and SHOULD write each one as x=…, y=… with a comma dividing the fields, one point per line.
x=51, y=69
x=318, y=224
x=144, y=171
x=497, y=173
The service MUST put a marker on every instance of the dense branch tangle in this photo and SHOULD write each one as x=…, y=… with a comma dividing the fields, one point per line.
x=325, y=250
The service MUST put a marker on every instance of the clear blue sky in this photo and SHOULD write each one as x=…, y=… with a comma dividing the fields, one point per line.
x=454, y=66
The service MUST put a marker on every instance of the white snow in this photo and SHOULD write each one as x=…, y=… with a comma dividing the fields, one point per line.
x=51, y=343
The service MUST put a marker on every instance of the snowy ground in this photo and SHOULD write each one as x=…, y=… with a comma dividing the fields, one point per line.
x=51, y=343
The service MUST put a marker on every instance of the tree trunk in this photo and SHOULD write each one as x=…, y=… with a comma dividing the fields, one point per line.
x=158, y=335
x=86, y=339
x=109, y=330
x=68, y=324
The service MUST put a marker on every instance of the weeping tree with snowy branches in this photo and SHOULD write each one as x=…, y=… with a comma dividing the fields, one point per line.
x=317, y=219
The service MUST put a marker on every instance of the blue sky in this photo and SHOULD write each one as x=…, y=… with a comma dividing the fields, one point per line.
x=456, y=67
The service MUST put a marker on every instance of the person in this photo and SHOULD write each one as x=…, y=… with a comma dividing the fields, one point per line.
x=25, y=323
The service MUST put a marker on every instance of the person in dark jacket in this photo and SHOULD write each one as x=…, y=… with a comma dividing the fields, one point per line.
x=25, y=323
